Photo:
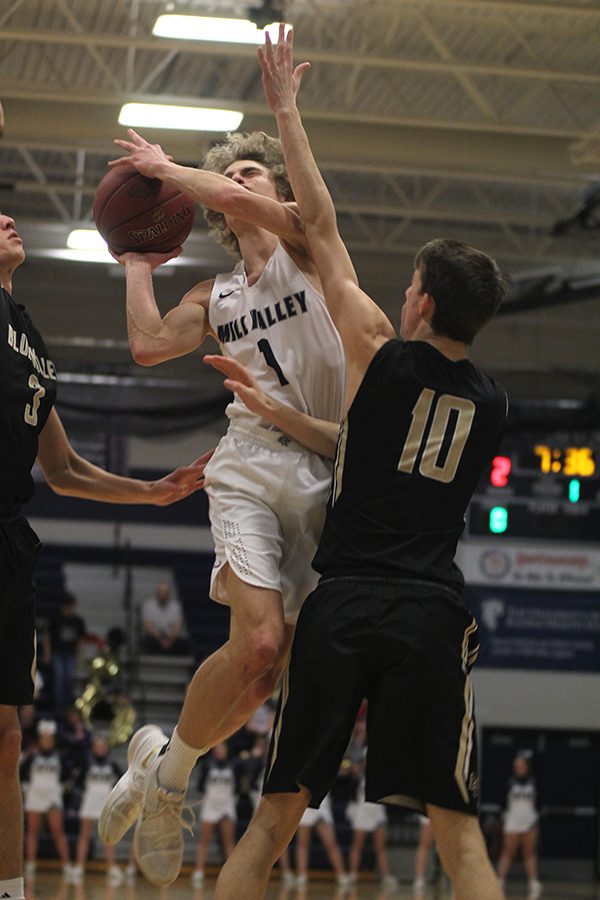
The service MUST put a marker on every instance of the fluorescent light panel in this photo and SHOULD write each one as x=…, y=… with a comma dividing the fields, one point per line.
x=184, y=118
x=85, y=239
x=209, y=28
x=88, y=245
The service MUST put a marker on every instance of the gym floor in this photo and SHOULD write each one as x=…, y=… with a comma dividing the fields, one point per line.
x=49, y=886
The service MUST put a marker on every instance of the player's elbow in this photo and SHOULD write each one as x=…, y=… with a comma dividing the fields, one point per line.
x=59, y=481
x=144, y=354
x=229, y=199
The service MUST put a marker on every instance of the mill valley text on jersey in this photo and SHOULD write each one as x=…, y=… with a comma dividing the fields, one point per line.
x=280, y=329
x=262, y=318
x=28, y=385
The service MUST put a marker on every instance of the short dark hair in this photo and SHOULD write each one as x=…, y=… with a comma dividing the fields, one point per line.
x=465, y=284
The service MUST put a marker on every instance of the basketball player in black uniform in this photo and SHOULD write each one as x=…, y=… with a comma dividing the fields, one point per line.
x=30, y=428
x=387, y=620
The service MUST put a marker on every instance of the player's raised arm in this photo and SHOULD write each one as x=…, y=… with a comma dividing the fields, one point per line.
x=214, y=191
x=153, y=338
x=359, y=320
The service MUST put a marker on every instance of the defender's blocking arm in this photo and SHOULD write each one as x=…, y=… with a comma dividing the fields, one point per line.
x=362, y=325
x=315, y=434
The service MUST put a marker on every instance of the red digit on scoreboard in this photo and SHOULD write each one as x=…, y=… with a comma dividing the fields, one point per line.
x=501, y=468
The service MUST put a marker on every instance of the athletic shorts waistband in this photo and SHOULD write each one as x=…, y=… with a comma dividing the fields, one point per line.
x=264, y=437
x=453, y=595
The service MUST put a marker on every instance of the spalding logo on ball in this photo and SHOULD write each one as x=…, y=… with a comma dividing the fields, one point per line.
x=142, y=214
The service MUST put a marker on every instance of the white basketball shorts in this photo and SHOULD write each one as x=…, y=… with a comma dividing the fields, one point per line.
x=267, y=507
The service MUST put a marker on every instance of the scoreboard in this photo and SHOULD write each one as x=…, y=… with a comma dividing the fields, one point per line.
x=540, y=486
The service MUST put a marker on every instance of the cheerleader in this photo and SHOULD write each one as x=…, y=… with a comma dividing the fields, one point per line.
x=521, y=824
x=218, y=783
x=97, y=778
x=368, y=818
x=43, y=774
x=255, y=772
x=322, y=820
x=426, y=842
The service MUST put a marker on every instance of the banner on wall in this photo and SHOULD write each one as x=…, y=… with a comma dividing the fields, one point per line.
x=533, y=566
x=525, y=629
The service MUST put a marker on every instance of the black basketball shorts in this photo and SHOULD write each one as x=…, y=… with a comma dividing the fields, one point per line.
x=19, y=548
x=408, y=648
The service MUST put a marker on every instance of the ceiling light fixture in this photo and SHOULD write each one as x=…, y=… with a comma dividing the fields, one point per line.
x=210, y=28
x=184, y=118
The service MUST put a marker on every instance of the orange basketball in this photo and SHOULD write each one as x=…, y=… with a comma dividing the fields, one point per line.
x=133, y=212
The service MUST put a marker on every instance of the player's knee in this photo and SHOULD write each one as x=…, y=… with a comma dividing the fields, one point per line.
x=10, y=747
x=261, y=654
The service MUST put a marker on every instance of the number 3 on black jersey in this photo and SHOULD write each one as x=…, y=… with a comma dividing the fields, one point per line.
x=31, y=409
x=462, y=411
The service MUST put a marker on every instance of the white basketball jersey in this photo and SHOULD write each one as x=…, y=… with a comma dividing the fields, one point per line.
x=280, y=329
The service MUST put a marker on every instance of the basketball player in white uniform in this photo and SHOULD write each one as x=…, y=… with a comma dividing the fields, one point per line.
x=267, y=492
x=521, y=824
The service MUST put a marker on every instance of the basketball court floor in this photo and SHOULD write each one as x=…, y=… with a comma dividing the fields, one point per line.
x=49, y=886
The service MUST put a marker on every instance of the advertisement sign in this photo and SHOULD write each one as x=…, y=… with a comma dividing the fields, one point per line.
x=530, y=566
x=525, y=629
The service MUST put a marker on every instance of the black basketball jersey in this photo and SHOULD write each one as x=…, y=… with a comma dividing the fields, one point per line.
x=410, y=452
x=28, y=392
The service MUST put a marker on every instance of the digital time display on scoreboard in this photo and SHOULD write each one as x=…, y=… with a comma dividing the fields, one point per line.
x=545, y=486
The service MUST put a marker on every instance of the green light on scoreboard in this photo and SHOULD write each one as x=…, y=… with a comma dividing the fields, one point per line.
x=574, y=490
x=498, y=521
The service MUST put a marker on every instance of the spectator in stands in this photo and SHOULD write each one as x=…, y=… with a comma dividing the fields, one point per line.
x=75, y=739
x=162, y=622
x=43, y=774
x=65, y=633
x=29, y=721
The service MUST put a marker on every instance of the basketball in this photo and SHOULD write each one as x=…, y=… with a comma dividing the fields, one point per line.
x=142, y=214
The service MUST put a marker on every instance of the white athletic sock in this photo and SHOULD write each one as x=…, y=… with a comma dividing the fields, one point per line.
x=177, y=763
x=13, y=888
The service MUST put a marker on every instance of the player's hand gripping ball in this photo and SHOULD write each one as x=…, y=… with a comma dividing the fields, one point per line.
x=135, y=213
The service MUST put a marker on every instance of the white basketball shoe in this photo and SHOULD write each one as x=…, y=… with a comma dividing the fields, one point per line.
x=124, y=803
x=158, y=837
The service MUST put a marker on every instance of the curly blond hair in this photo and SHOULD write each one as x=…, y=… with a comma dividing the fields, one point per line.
x=257, y=146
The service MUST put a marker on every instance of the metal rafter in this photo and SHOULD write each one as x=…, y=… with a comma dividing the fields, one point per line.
x=334, y=57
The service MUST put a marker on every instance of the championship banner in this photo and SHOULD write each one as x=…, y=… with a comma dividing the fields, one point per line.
x=524, y=629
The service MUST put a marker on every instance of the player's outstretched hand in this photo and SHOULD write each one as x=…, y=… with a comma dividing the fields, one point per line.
x=153, y=260
x=281, y=81
x=181, y=483
x=243, y=384
x=145, y=157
